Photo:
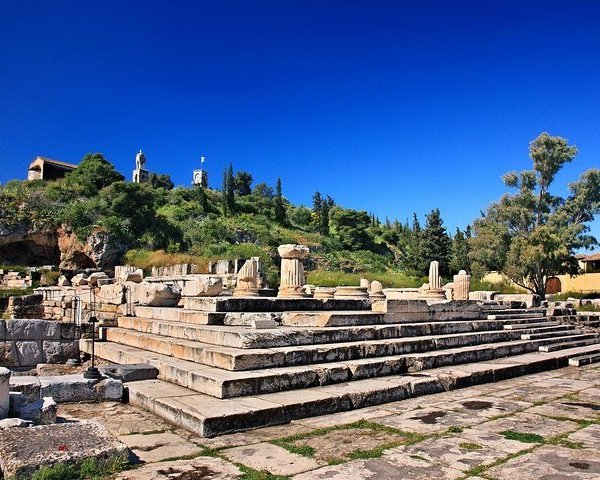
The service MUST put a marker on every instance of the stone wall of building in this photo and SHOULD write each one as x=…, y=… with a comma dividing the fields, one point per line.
x=27, y=342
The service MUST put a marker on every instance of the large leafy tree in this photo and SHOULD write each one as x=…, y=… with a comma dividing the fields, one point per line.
x=532, y=234
x=350, y=228
x=92, y=175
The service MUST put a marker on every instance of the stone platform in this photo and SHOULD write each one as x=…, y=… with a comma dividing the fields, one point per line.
x=218, y=378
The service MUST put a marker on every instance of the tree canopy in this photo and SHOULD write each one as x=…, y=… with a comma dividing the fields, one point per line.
x=532, y=234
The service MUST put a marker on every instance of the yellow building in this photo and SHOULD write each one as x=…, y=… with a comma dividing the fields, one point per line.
x=587, y=282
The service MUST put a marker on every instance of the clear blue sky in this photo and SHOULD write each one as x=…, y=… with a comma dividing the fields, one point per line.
x=388, y=106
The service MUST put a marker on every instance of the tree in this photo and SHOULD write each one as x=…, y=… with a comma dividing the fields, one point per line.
x=435, y=243
x=531, y=235
x=92, y=175
x=279, y=208
x=459, y=257
x=350, y=228
x=161, y=180
x=228, y=194
x=242, y=183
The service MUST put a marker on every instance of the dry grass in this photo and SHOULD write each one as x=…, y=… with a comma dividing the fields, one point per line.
x=147, y=259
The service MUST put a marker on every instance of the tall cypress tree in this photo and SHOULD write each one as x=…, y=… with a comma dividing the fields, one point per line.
x=459, y=258
x=436, y=244
x=280, y=216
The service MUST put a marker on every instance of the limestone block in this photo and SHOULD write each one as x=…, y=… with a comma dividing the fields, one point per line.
x=4, y=392
x=364, y=283
x=531, y=300
x=40, y=412
x=109, y=389
x=95, y=277
x=376, y=290
x=158, y=295
x=28, y=385
x=8, y=353
x=113, y=294
x=68, y=388
x=351, y=292
x=135, y=276
x=63, y=281
x=32, y=329
x=84, y=440
x=401, y=293
x=13, y=423
x=130, y=372
x=29, y=353
x=261, y=324
x=79, y=280
x=105, y=281
x=202, y=286
x=59, y=351
x=310, y=289
x=324, y=292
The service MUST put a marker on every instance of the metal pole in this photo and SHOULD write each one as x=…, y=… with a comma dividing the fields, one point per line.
x=74, y=361
x=92, y=372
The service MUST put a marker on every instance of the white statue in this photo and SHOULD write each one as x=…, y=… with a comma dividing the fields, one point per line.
x=140, y=160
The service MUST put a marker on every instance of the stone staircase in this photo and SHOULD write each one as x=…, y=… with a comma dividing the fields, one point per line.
x=217, y=374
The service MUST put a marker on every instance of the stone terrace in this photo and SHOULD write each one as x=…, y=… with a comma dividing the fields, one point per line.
x=218, y=374
x=545, y=425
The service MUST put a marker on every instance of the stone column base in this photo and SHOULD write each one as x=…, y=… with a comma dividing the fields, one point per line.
x=292, y=292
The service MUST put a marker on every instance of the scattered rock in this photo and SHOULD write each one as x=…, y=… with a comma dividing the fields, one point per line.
x=25, y=450
x=40, y=412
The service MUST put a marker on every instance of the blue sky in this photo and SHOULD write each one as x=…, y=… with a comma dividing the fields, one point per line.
x=390, y=106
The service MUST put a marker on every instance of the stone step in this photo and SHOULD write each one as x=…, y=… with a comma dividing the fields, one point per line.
x=592, y=357
x=533, y=324
x=272, y=304
x=514, y=316
x=503, y=310
x=250, y=359
x=334, y=319
x=208, y=417
x=243, y=337
x=579, y=341
x=548, y=334
x=175, y=314
x=227, y=384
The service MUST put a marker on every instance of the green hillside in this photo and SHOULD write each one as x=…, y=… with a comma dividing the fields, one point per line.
x=155, y=224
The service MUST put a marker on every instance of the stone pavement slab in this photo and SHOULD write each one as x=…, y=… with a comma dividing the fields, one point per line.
x=431, y=420
x=118, y=418
x=157, y=447
x=207, y=468
x=567, y=408
x=462, y=452
x=549, y=462
x=486, y=406
x=397, y=467
x=272, y=458
x=589, y=437
x=528, y=423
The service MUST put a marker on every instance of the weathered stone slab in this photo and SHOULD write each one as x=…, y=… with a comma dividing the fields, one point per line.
x=32, y=329
x=157, y=447
x=266, y=304
x=130, y=373
x=197, y=468
x=24, y=450
x=4, y=392
x=551, y=462
x=40, y=412
x=271, y=458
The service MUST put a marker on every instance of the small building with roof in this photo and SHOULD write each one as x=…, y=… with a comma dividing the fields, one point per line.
x=43, y=168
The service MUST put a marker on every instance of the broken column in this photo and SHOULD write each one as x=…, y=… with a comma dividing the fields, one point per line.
x=247, y=280
x=292, y=271
x=4, y=392
x=462, y=284
x=434, y=289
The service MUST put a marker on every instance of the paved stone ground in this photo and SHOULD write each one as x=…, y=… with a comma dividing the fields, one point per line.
x=543, y=426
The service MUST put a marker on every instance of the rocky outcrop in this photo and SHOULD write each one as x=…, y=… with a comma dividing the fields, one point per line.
x=100, y=250
x=19, y=246
x=22, y=247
